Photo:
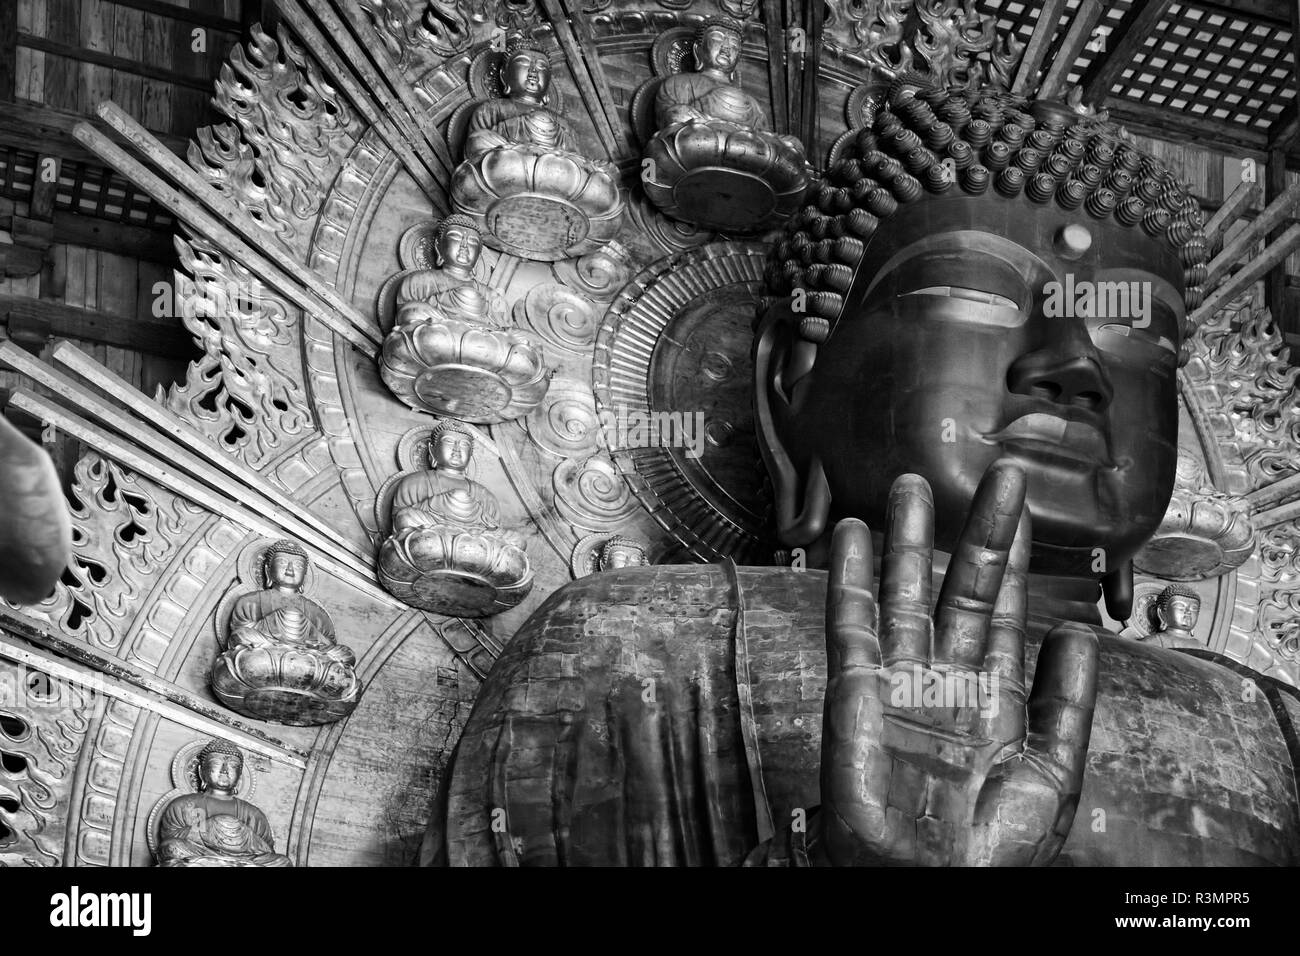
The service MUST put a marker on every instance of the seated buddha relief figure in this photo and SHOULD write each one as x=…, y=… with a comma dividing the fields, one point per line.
x=446, y=550
x=1005, y=461
x=523, y=179
x=1176, y=611
x=214, y=827
x=713, y=160
x=450, y=351
x=281, y=661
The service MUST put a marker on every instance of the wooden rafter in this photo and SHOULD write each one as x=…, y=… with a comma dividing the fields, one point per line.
x=599, y=103
x=1072, y=44
x=776, y=65
x=814, y=18
x=1036, y=52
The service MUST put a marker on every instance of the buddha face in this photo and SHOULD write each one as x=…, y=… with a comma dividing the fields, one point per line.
x=459, y=248
x=619, y=556
x=221, y=772
x=955, y=348
x=718, y=49
x=527, y=75
x=451, y=452
x=286, y=571
x=1178, y=612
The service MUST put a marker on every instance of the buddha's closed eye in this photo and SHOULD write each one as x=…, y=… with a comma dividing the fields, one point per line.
x=959, y=292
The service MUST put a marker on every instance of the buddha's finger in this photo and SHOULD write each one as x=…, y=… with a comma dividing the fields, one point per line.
x=1061, y=704
x=850, y=609
x=905, y=624
x=1004, y=659
x=975, y=572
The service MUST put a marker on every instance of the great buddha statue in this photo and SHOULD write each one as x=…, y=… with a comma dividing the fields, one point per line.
x=213, y=827
x=450, y=351
x=992, y=451
x=713, y=160
x=446, y=551
x=523, y=178
x=281, y=660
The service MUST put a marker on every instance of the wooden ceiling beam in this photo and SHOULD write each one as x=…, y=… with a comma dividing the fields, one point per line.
x=1271, y=12
x=33, y=319
x=1124, y=41
x=185, y=15
x=48, y=131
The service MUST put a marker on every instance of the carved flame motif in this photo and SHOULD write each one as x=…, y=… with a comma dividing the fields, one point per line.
x=1246, y=356
x=443, y=28
x=123, y=531
x=40, y=745
x=288, y=118
x=244, y=392
x=1279, y=611
x=948, y=40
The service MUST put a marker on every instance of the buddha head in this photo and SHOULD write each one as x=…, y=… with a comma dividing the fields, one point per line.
x=1026, y=300
x=285, y=565
x=1177, y=609
x=621, y=552
x=451, y=445
x=457, y=244
x=717, y=46
x=220, y=766
x=526, y=71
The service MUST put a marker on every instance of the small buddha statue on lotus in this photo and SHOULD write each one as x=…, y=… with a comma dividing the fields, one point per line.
x=447, y=552
x=450, y=351
x=523, y=177
x=714, y=160
x=711, y=93
x=213, y=827
x=282, y=660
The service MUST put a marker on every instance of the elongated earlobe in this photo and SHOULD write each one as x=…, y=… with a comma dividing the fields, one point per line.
x=1117, y=588
x=802, y=528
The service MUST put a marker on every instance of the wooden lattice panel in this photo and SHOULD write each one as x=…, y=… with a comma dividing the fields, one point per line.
x=83, y=188
x=1207, y=62
x=1227, y=67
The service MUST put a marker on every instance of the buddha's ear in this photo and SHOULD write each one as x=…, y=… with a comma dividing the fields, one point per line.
x=803, y=497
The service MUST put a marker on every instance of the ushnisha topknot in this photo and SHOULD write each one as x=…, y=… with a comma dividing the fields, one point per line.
x=1176, y=590
x=719, y=20
x=455, y=219
x=218, y=746
x=521, y=42
x=1040, y=151
x=284, y=546
x=622, y=541
x=449, y=426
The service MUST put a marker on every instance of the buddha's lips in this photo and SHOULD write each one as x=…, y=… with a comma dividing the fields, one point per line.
x=1067, y=438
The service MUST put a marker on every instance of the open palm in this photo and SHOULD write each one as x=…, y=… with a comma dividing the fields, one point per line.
x=973, y=772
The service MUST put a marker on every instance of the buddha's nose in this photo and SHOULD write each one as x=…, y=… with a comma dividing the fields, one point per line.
x=1068, y=372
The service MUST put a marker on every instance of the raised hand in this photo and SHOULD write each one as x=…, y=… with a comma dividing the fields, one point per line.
x=931, y=754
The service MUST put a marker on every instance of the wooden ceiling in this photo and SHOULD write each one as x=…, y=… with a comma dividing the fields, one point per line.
x=1218, y=75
